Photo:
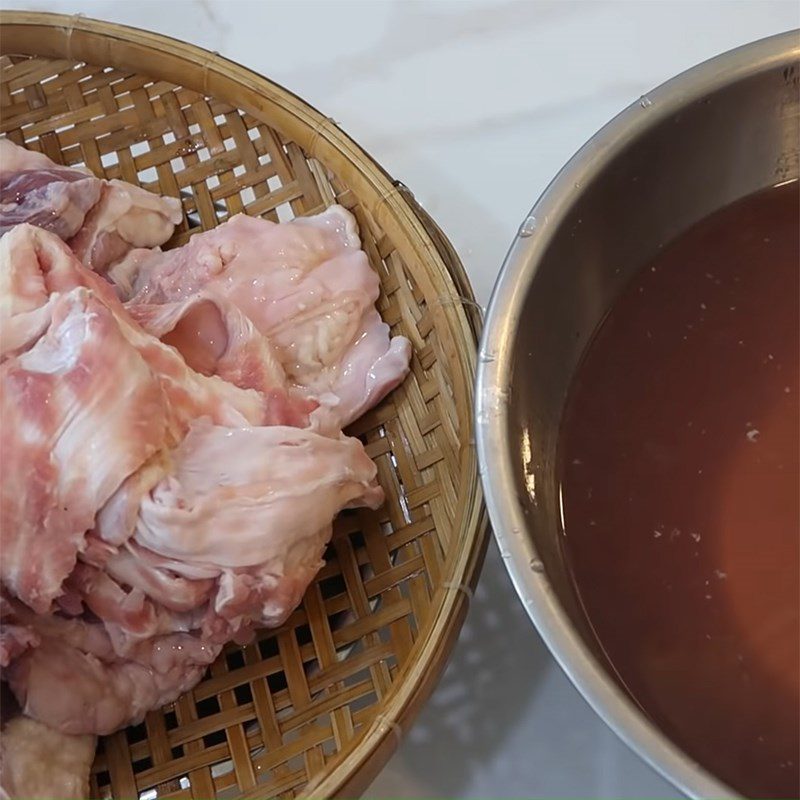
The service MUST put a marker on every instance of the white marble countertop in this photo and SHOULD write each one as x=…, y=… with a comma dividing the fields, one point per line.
x=475, y=105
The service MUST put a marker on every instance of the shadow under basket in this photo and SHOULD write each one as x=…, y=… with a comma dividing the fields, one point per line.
x=317, y=706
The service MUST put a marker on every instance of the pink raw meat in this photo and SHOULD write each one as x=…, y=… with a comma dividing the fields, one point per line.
x=33, y=265
x=80, y=411
x=33, y=189
x=101, y=220
x=237, y=501
x=125, y=217
x=216, y=338
x=308, y=288
x=106, y=690
x=162, y=489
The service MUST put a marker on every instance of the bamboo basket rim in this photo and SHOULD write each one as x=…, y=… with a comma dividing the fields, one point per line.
x=394, y=208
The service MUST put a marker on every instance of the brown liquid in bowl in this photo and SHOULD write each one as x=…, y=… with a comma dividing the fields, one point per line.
x=680, y=480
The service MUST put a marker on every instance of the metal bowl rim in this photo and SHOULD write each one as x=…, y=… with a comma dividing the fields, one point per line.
x=494, y=376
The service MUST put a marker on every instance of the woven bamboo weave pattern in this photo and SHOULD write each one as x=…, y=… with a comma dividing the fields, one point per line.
x=317, y=706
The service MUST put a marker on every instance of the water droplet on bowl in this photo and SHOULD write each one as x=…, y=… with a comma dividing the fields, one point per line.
x=528, y=227
x=645, y=101
x=536, y=565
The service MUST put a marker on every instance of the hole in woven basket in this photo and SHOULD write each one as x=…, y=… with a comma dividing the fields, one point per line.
x=285, y=212
x=170, y=720
x=177, y=751
x=274, y=183
x=142, y=764
x=109, y=159
x=401, y=490
x=148, y=176
x=357, y=540
x=234, y=659
x=207, y=707
x=332, y=587
x=136, y=733
x=103, y=778
x=277, y=682
x=268, y=647
x=243, y=694
x=303, y=634
x=248, y=196
x=214, y=738
x=139, y=148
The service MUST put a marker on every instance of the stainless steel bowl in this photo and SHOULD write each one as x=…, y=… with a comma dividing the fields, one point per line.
x=714, y=134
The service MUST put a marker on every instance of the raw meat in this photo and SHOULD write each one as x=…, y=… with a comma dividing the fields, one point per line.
x=216, y=338
x=34, y=189
x=101, y=220
x=308, y=288
x=34, y=265
x=171, y=466
x=107, y=690
x=238, y=500
x=81, y=410
x=216, y=549
x=125, y=217
x=26, y=746
x=14, y=638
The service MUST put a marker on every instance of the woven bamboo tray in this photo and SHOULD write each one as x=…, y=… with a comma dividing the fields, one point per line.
x=316, y=707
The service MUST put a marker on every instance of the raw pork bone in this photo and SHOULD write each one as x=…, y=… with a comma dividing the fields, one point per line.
x=307, y=286
x=101, y=220
x=35, y=264
x=230, y=538
x=80, y=411
x=90, y=402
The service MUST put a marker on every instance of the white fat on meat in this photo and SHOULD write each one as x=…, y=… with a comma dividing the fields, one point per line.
x=308, y=287
x=216, y=338
x=237, y=500
x=36, y=190
x=109, y=686
x=125, y=217
x=34, y=265
x=79, y=412
x=39, y=763
x=101, y=220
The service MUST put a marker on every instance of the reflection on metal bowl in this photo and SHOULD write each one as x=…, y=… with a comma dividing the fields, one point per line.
x=715, y=134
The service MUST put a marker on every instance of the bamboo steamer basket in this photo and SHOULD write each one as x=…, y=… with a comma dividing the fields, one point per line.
x=316, y=707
